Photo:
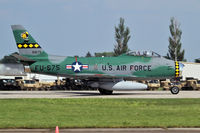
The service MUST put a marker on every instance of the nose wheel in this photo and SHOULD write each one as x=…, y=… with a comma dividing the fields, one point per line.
x=174, y=90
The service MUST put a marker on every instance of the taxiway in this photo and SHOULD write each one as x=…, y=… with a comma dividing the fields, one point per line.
x=95, y=94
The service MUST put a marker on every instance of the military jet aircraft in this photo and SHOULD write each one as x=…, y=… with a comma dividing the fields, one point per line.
x=105, y=73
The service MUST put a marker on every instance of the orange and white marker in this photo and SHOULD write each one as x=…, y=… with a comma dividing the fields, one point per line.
x=57, y=129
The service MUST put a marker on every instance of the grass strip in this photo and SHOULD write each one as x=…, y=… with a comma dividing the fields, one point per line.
x=92, y=113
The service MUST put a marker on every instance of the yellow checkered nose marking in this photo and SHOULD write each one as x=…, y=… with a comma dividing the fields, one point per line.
x=177, y=72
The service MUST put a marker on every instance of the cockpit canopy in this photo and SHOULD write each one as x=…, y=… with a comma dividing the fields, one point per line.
x=143, y=53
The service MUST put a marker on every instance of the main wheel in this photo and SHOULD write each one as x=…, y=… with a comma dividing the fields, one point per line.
x=105, y=92
x=174, y=90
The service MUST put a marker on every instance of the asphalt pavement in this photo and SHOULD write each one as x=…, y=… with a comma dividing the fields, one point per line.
x=95, y=94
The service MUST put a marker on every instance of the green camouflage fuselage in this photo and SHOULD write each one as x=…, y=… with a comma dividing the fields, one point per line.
x=126, y=65
x=121, y=66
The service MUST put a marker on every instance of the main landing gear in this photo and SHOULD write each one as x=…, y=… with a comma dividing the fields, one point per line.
x=105, y=92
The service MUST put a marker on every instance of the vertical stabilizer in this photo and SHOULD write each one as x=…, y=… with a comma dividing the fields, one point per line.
x=26, y=44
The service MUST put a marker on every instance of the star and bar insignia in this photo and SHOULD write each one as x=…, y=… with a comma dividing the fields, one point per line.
x=77, y=66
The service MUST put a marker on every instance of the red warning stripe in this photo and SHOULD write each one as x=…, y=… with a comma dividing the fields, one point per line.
x=68, y=66
x=85, y=66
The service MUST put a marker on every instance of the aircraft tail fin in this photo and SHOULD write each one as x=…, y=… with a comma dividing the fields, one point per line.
x=26, y=44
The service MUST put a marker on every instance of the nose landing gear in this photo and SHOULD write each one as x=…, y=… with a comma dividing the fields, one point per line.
x=174, y=90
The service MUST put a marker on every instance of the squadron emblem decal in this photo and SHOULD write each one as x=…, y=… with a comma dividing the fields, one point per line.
x=24, y=36
x=77, y=66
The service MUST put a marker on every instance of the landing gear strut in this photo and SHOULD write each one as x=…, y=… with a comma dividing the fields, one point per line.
x=105, y=92
x=174, y=90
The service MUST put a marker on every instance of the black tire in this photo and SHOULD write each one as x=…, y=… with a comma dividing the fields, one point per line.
x=174, y=90
x=105, y=92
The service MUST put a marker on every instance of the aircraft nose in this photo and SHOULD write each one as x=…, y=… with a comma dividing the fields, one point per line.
x=178, y=69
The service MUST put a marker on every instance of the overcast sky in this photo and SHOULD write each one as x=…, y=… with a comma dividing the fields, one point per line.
x=74, y=27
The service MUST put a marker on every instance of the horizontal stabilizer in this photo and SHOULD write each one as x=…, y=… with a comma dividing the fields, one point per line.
x=23, y=59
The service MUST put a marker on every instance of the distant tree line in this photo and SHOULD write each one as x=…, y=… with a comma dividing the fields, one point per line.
x=197, y=60
x=122, y=36
x=174, y=49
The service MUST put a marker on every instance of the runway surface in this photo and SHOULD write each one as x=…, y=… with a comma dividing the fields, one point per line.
x=105, y=130
x=95, y=94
